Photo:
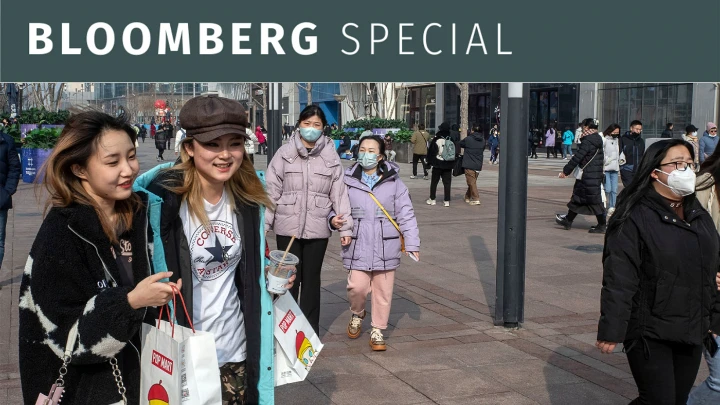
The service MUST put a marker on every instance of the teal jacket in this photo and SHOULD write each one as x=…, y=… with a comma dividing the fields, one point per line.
x=568, y=137
x=169, y=251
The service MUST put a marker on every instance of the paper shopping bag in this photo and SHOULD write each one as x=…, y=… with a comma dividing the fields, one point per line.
x=178, y=366
x=284, y=372
x=297, y=340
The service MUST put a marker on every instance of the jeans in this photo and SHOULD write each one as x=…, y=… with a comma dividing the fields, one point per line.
x=446, y=175
x=3, y=223
x=664, y=372
x=567, y=150
x=709, y=391
x=611, y=186
x=391, y=155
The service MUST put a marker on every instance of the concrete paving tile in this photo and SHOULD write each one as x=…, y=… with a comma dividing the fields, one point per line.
x=347, y=389
x=302, y=392
x=477, y=354
x=604, y=367
x=582, y=393
x=516, y=374
x=415, y=359
x=502, y=398
x=435, y=343
x=449, y=334
x=461, y=382
x=358, y=364
x=418, y=319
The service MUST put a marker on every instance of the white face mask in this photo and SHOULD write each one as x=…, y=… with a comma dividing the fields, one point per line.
x=682, y=183
x=694, y=134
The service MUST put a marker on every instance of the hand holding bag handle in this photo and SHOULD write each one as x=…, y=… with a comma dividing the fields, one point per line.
x=402, y=238
x=176, y=292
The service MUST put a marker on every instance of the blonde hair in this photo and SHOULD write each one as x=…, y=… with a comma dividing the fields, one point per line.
x=77, y=143
x=244, y=185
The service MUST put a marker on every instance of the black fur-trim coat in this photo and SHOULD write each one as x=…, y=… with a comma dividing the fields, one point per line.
x=589, y=156
x=69, y=278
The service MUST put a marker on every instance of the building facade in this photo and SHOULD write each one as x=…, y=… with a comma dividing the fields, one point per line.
x=138, y=99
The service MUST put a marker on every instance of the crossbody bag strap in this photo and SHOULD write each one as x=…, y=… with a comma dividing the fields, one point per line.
x=402, y=238
x=591, y=159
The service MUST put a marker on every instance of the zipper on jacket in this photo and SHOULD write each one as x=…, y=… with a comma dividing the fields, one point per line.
x=352, y=256
x=382, y=241
x=107, y=272
x=307, y=200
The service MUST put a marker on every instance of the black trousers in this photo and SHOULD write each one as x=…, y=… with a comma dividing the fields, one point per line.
x=437, y=174
x=627, y=177
x=549, y=150
x=533, y=151
x=664, y=372
x=311, y=253
x=420, y=158
x=160, y=154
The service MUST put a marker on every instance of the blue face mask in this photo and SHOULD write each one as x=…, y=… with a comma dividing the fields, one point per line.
x=310, y=134
x=367, y=160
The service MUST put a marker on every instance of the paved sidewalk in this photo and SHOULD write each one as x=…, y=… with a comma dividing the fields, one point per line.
x=442, y=345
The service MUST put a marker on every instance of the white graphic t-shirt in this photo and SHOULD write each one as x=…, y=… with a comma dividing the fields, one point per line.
x=215, y=254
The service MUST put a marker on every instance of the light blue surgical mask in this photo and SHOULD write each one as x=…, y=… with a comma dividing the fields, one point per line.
x=310, y=134
x=367, y=160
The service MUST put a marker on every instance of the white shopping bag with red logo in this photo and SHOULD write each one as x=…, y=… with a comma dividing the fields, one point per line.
x=178, y=365
x=296, y=343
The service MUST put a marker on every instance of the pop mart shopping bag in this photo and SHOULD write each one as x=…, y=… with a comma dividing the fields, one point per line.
x=178, y=366
x=296, y=343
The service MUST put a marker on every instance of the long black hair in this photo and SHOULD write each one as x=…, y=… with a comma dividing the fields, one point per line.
x=311, y=111
x=642, y=181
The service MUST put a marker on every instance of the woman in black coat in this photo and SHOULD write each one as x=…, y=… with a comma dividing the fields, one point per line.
x=587, y=192
x=472, y=161
x=659, y=295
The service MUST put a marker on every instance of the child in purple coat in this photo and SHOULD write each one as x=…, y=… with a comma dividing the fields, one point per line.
x=374, y=253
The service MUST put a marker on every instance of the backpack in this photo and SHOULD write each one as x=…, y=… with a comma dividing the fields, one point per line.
x=446, y=149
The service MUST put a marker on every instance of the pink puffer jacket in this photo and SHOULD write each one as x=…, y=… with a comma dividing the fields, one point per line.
x=306, y=187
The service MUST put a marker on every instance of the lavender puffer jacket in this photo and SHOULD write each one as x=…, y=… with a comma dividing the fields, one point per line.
x=305, y=188
x=375, y=241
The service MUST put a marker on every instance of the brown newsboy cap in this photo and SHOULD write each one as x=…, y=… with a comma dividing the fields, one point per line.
x=208, y=117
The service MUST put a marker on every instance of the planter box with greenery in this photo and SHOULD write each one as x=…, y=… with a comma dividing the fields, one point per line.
x=36, y=148
x=33, y=118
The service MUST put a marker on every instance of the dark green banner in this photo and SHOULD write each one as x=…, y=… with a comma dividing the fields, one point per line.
x=330, y=41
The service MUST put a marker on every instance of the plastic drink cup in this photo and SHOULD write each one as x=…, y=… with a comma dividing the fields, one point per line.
x=279, y=271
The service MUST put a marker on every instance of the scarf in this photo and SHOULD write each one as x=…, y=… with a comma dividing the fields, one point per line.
x=588, y=131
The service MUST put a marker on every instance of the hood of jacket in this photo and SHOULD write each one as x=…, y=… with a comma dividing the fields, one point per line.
x=353, y=174
x=444, y=127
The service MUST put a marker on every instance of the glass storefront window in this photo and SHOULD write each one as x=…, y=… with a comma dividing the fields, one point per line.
x=654, y=104
x=416, y=105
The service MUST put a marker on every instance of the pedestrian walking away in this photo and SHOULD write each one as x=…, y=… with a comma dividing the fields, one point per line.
x=379, y=201
x=587, y=193
x=611, y=152
x=707, y=195
x=420, y=140
x=9, y=177
x=494, y=141
x=550, y=142
x=472, y=162
x=668, y=132
x=160, y=142
x=206, y=225
x=632, y=147
x=87, y=279
x=441, y=156
x=537, y=138
x=305, y=179
x=659, y=293
x=709, y=141
x=567, y=140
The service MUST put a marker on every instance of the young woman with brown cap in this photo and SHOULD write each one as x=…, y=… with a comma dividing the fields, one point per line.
x=206, y=220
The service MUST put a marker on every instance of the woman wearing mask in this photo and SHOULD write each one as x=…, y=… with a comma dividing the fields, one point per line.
x=659, y=296
x=472, y=161
x=586, y=197
x=206, y=222
x=88, y=273
x=494, y=142
x=550, y=142
x=707, y=194
x=305, y=179
x=374, y=253
x=691, y=137
x=611, y=151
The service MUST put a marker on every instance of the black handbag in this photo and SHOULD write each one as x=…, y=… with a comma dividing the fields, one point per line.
x=458, y=169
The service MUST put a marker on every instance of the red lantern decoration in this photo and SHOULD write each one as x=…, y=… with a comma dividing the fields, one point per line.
x=160, y=104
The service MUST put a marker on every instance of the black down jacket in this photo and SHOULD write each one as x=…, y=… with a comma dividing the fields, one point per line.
x=659, y=275
x=589, y=157
x=474, y=146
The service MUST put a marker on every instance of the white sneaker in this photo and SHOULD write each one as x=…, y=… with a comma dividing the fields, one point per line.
x=446, y=203
x=474, y=203
x=413, y=177
x=430, y=202
x=467, y=200
x=610, y=212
